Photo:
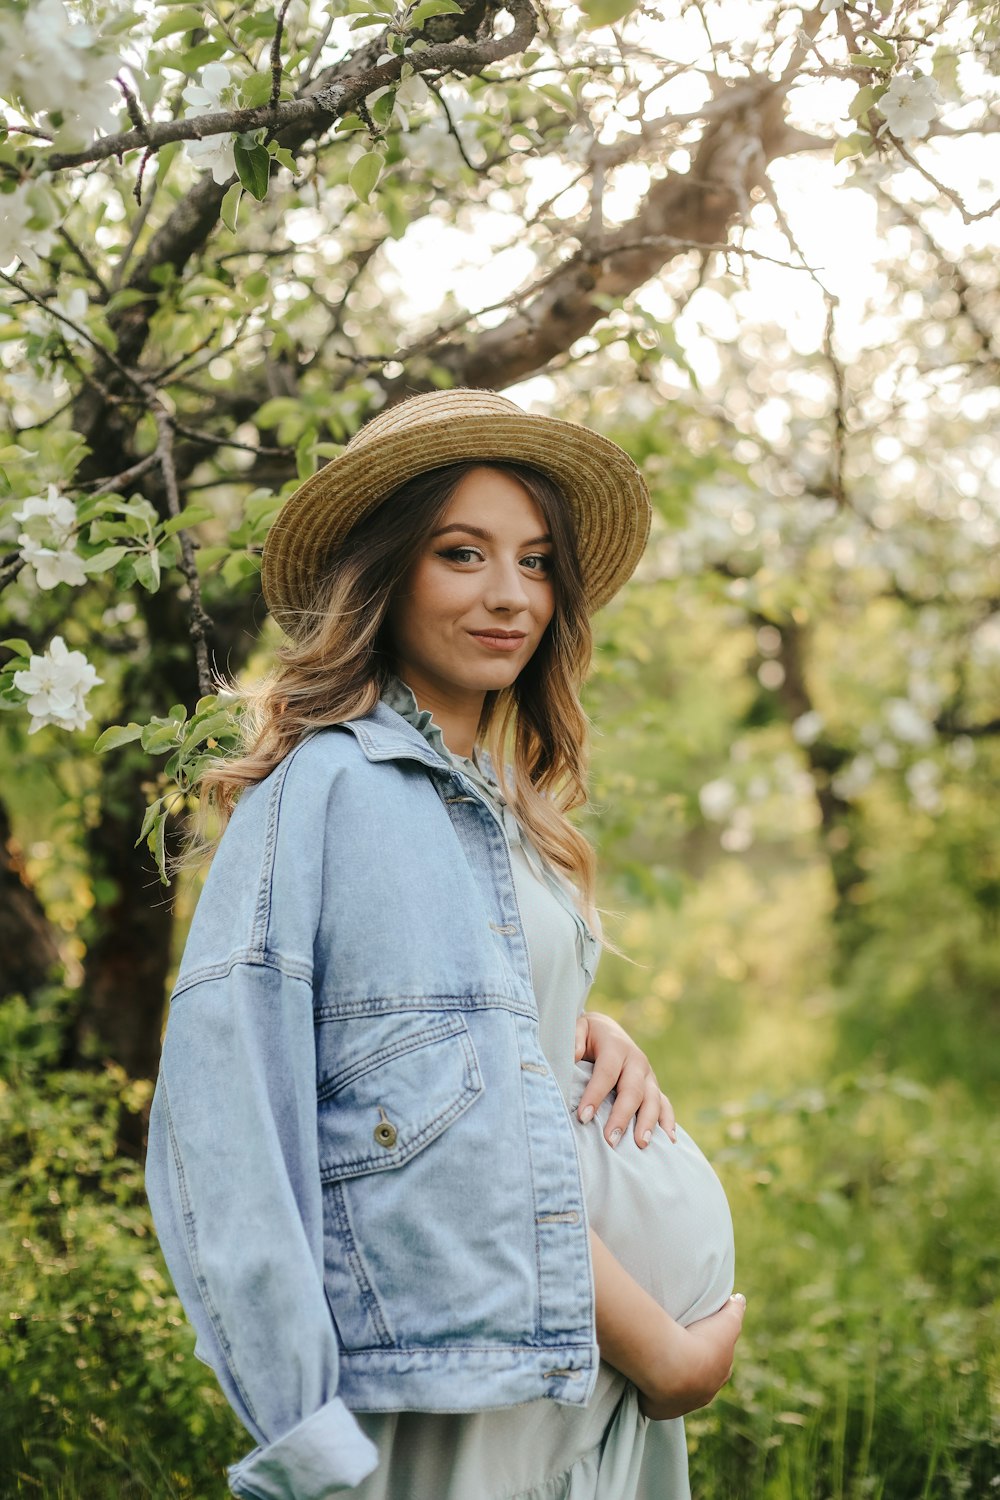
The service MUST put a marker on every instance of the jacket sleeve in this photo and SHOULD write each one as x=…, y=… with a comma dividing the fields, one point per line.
x=233, y=1179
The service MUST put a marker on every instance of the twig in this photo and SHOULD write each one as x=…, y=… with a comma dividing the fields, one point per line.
x=137, y=190
x=200, y=625
x=837, y=446
x=163, y=375
x=452, y=128
x=276, y=55
x=127, y=476
x=9, y=573
x=214, y=440
x=140, y=222
x=947, y=192
x=316, y=52
x=85, y=262
x=132, y=105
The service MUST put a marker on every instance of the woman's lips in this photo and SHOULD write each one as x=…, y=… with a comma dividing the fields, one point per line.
x=498, y=641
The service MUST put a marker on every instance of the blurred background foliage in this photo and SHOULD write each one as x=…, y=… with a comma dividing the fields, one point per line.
x=794, y=703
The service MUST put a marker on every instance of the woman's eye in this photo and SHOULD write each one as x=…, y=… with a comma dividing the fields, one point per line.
x=538, y=562
x=460, y=554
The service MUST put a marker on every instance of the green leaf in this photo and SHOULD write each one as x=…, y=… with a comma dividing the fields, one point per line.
x=305, y=462
x=231, y=206
x=101, y=562
x=127, y=297
x=283, y=156
x=147, y=570
x=189, y=516
x=863, y=101
x=274, y=412
x=365, y=173
x=559, y=96
x=883, y=44
x=207, y=557
x=427, y=8
x=159, y=737
x=14, y=643
x=147, y=822
x=195, y=58
x=607, y=12
x=254, y=167
x=182, y=20
x=381, y=110
x=157, y=843
x=239, y=566
x=118, y=734
x=851, y=145
x=256, y=90
x=211, y=728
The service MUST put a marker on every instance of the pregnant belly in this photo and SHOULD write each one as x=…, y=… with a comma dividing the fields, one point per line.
x=661, y=1211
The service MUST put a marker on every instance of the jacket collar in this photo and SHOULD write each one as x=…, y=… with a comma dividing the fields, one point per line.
x=386, y=735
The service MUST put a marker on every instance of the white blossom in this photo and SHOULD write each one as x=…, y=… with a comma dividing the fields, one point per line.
x=907, y=723
x=56, y=66
x=922, y=779
x=25, y=234
x=829, y=5
x=214, y=153
x=53, y=565
x=46, y=511
x=909, y=104
x=717, y=799
x=73, y=306
x=855, y=776
x=56, y=684
x=207, y=94
x=806, y=728
x=47, y=543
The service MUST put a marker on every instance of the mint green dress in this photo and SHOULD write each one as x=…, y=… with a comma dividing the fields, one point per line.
x=661, y=1211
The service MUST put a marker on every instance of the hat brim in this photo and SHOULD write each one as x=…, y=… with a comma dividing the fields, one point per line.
x=604, y=489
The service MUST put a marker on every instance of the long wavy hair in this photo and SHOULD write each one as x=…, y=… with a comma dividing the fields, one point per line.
x=339, y=660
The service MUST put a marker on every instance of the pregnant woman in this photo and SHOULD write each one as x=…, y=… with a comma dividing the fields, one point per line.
x=383, y=1193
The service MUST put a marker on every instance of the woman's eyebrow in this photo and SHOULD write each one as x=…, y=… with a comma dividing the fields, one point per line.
x=486, y=536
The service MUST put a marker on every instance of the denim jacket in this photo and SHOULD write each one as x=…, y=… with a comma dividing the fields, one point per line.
x=362, y=1172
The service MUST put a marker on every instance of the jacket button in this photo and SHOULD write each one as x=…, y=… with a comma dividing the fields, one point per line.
x=385, y=1131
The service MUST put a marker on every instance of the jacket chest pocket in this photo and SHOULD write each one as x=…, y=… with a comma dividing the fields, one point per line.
x=381, y=1108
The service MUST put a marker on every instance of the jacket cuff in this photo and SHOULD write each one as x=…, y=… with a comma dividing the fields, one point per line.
x=325, y=1453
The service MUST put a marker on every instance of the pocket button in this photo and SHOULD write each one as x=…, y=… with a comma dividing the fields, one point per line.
x=385, y=1131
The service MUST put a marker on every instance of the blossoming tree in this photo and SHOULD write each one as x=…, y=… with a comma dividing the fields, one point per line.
x=207, y=222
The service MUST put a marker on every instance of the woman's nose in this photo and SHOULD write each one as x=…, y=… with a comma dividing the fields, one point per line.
x=506, y=589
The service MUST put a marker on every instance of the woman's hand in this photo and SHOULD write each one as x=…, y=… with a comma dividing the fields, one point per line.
x=619, y=1064
x=700, y=1362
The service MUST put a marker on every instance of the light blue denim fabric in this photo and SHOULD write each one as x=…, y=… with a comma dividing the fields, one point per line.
x=362, y=1171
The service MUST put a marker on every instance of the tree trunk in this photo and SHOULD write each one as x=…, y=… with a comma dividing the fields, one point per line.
x=29, y=956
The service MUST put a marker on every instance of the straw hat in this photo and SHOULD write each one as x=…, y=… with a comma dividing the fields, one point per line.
x=607, y=495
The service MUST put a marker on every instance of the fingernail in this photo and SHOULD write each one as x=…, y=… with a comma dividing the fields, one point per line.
x=647, y=1136
x=672, y=1132
x=588, y=1114
x=738, y=1297
x=616, y=1136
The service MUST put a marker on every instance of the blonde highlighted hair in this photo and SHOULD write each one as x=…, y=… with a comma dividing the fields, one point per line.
x=340, y=660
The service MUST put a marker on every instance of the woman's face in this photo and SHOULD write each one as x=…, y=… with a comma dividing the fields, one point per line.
x=474, y=606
